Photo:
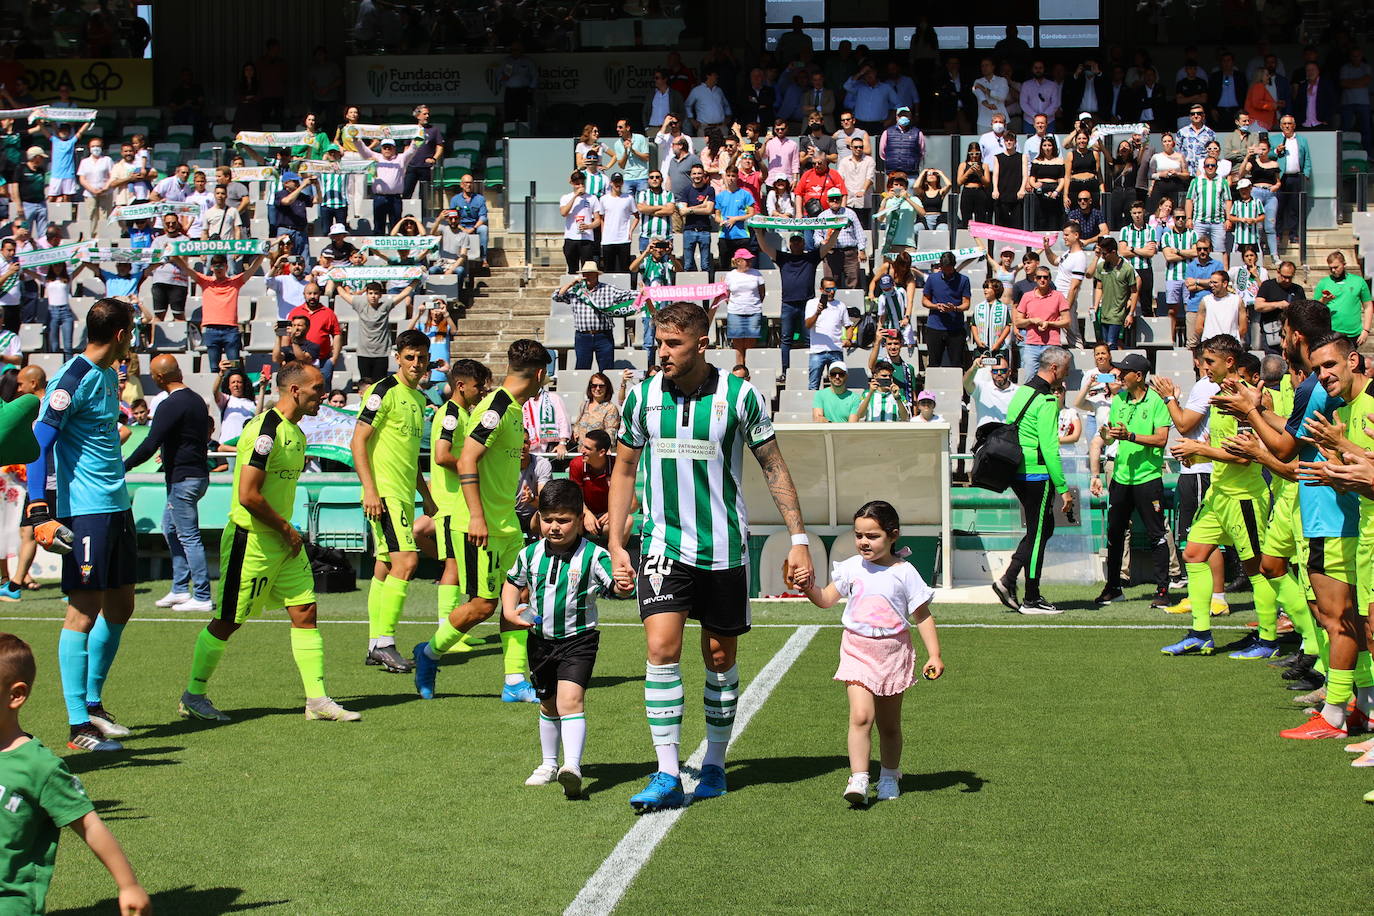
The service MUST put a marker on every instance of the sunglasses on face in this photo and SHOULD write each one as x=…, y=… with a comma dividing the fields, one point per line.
x=1042, y=276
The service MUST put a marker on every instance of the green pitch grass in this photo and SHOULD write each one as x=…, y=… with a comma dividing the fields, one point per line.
x=1050, y=770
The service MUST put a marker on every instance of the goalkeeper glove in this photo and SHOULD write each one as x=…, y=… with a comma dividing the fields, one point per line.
x=48, y=532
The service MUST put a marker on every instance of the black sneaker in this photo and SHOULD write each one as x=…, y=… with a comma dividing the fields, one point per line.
x=1161, y=598
x=87, y=737
x=1006, y=594
x=1307, y=682
x=1293, y=658
x=1108, y=595
x=1300, y=668
x=390, y=660
x=1037, y=606
x=1239, y=584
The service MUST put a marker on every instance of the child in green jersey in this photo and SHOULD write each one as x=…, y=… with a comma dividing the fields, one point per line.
x=551, y=592
x=39, y=797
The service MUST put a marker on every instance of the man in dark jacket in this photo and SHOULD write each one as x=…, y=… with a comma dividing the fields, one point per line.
x=1314, y=98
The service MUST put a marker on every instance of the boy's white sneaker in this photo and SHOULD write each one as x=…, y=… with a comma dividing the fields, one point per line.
x=570, y=778
x=856, y=790
x=543, y=774
x=888, y=788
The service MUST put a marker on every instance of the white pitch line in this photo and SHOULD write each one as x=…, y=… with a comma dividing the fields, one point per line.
x=604, y=889
x=757, y=626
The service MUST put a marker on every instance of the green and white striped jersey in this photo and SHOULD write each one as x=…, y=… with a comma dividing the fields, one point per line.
x=882, y=408
x=691, y=465
x=655, y=226
x=1246, y=233
x=1137, y=238
x=333, y=190
x=596, y=183
x=1209, y=197
x=1175, y=239
x=563, y=587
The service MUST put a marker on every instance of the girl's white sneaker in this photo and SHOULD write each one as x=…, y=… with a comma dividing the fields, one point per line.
x=543, y=774
x=856, y=790
x=887, y=788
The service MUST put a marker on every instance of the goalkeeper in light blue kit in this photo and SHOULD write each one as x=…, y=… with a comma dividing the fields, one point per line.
x=92, y=522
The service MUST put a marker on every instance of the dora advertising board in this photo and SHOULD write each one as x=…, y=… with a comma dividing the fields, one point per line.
x=455, y=78
x=104, y=82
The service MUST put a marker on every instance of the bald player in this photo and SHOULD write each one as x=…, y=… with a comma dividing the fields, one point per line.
x=32, y=380
x=181, y=430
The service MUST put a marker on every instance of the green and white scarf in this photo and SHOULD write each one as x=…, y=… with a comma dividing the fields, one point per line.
x=342, y=167
x=16, y=113
x=273, y=137
x=411, y=243
x=352, y=274
x=255, y=173
x=64, y=115
x=101, y=254
x=59, y=254
x=152, y=211
x=803, y=224
x=384, y=131
x=197, y=248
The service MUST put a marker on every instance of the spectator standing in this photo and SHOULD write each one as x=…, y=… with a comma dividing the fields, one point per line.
x=826, y=318
x=581, y=217
x=1137, y=244
x=947, y=295
x=697, y=205
x=201, y=197
x=974, y=179
x=292, y=201
x=519, y=77
x=128, y=179
x=631, y=156
x=1092, y=222
x=94, y=176
x=221, y=221
x=835, y=403
x=902, y=147
x=990, y=388
x=471, y=208
x=1355, y=78
x=425, y=152
x=679, y=167
x=617, y=220
x=857, y=172
x=1315, y=98
x=819, y=100
x=389, y=183
x=849, y=132
x=287, y=282
x=1346, y=296
x=1208, y=206
x=990, y=92
x=376, y=338
x=1138, y=423
x=1043, y=314
x=1272, y=300
x=592, y=327
x=654, y=211
x=170, y=283
x=873, y=102
x=815, y=142
x=1034, y=411
x=1008, y=184
x=1045, y=184
x=1039, y=96
x=734, y=206
x=1221, y=310
x=707, y=105
x=235, y=398
x=1070, y=270
x=797, y=272
x=745, y=290
x=273, y=74
x=781, y=154
x=657, y=266
x=180, y=431
x=1116, y=297
x=546, y=424
x=1180, y=249
x=992, y=322
x=1295, y=165
x=662, y=101
x=1193, y=138
x=324, y=328
x=28, y=189
x=219, y=304
x=293, y=345
x=845, y=261
x=333, y=191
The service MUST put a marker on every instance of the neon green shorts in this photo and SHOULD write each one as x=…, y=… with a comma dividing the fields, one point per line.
x=394, y=531
x=448, y=538
x=482, y=570
x=257, y=573
x=1281, y=535
x=1229, y=520
x=1334, y=557
x=1364, y=572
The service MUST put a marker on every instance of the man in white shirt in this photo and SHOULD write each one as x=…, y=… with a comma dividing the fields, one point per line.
x=990, y=91
x=991, y=141
x=707, y=105
x=857, y=171
x=670, y=131
x=94, y=175
x=1030, y=147
x=289, y=288
x=1190, y=419
x=174, y=187
x=581, y=214
x=991, y=388
x=1072, y=269
x=203, y=198
x=826, y=318
x=618, y=216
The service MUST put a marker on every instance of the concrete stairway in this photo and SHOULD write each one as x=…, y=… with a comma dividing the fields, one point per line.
x=506, y=306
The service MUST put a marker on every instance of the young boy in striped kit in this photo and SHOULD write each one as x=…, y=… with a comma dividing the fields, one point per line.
x=551, y=591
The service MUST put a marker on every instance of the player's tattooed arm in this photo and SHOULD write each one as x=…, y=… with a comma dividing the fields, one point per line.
x=780, y=484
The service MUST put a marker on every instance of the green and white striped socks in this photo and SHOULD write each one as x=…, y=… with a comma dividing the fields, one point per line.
x=720, y=697
x=663, y=702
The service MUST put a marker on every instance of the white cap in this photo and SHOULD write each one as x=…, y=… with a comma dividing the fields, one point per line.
x=1243, y=183
x=338, y=229
x=837, y=365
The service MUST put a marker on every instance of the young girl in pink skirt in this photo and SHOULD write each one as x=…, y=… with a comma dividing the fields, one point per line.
x=886, y=596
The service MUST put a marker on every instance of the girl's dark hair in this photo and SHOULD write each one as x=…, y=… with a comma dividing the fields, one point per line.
x=881, y=512
x=561, y=495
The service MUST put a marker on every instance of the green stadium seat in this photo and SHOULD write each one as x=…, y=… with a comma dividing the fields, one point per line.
x=148, y=503
x=338, y=520
x=494, y=172
x=214, y=506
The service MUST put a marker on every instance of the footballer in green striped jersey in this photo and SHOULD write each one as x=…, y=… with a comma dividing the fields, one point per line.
x=442, y=535
x=489, y=475
x=683, y=435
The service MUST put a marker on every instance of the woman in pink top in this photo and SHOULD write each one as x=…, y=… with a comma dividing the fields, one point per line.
x=1040, y=314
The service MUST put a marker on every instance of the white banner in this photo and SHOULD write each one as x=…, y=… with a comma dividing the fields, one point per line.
x=465, y=78
x=384, y=131
x=255, y=173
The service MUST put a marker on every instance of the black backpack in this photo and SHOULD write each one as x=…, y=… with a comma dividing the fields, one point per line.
x=997, y=452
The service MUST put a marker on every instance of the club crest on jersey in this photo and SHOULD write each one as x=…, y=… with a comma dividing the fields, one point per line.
x=656, y=582
x=718, y=410
x=490, y=419
x=450, y=422
x=374, y=402
x=86, y=572
x=574, y=577
x=61, y=399
x=264, y=445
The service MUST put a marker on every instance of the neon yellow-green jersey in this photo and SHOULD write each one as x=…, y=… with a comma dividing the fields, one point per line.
x=1239, y=481
x=397, y=414
x=276, y=446
x=497, y=424
x=1353, y=416
x=452, y=422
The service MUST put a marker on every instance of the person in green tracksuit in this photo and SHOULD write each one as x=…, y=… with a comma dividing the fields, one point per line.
x=1035, y=414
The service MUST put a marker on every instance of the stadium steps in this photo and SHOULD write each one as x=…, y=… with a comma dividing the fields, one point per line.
x=498, y=314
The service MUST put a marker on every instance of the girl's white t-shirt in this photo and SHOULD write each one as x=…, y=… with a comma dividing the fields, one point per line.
x=880, y=600
x=58, y=292
x=744, y=292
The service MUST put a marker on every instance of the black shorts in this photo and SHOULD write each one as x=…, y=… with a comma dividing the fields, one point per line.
x=50, y=496
x=718, y=599
x=568, y=659
x=104, y=552
x=169, y=295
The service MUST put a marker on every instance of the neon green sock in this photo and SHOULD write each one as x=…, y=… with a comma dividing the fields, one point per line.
x=448, y=600
x=1340, y=683
x=444, y=637
x=1200, y=595
x=374, y=608
x=1266, y=607
x=1364, y=670
x=391, y=604
x=1323, y=650
x=209, y=650
x=1294, y=604
x=307, y=648
x=513, y=651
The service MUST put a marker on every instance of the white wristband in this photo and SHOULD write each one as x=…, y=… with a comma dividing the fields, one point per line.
x=801, y=540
